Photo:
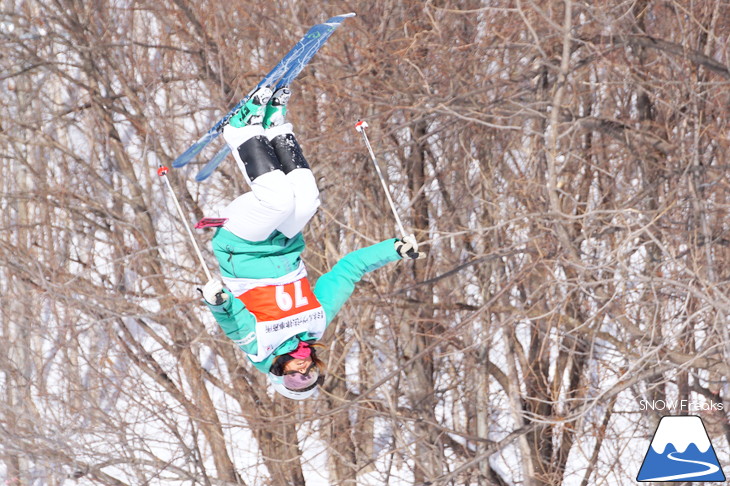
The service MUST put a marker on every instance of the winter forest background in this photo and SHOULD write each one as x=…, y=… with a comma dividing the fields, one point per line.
x=564, y=162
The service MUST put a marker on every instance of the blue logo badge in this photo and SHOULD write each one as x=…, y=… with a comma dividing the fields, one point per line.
x=681, y=451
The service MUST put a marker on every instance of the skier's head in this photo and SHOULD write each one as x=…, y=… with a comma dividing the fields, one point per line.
x=297, y=374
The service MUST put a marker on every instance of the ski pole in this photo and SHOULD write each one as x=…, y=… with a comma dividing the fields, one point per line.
x=162, y=172
x=360, y=126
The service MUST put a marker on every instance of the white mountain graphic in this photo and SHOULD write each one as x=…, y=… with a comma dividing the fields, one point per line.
x=681, y=451
x=681, y=431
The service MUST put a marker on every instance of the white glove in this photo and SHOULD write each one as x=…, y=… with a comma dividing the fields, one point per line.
x=407, y=248
x=213, y=292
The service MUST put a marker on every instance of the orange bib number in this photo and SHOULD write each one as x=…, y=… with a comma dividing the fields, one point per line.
x=275, y=302
x=283, y=311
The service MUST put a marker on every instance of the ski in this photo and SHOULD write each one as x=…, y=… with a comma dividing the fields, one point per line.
x=297, y=64
x=307, y=46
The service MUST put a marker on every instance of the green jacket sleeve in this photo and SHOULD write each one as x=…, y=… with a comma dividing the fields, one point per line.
x=335, y=287
x=237, y=322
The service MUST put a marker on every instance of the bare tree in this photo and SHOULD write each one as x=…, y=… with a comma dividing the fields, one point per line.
x=563, y=161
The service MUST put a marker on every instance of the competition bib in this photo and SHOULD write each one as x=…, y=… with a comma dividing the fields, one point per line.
x=283, y=311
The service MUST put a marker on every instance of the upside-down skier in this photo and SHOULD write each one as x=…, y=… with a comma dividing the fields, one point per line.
x=267, y=306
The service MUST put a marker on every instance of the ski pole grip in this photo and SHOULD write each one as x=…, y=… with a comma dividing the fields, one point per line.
x=361, y=125
x=162, y=171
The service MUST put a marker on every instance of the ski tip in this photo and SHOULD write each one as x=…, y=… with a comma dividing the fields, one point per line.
x=339, y=18
x=162, y=170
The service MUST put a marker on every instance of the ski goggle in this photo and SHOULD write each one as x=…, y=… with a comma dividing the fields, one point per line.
x=296, y=381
